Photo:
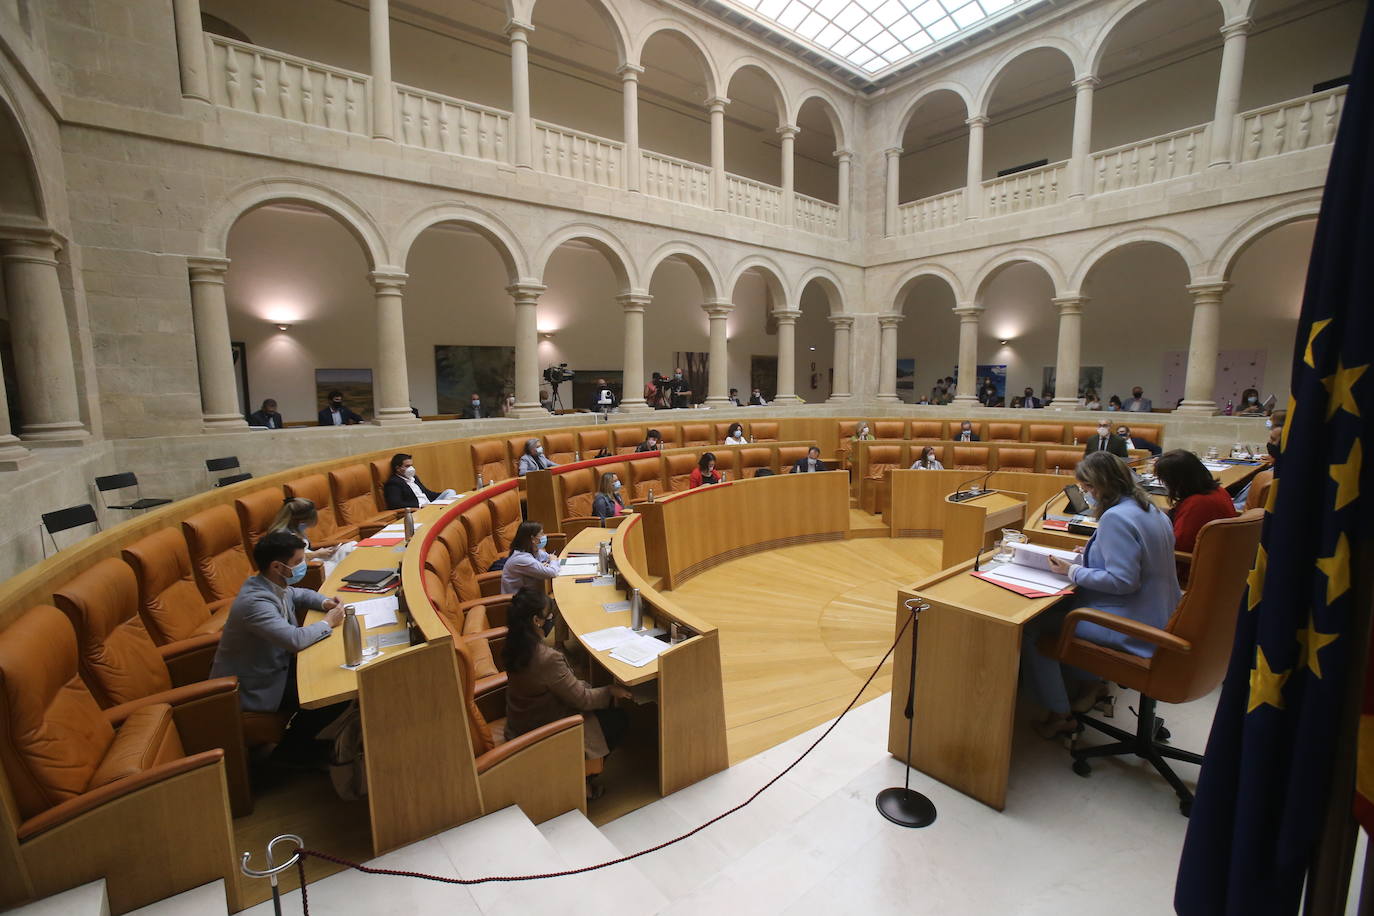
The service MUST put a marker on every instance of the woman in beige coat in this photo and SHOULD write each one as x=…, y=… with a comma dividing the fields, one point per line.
x=541, y=687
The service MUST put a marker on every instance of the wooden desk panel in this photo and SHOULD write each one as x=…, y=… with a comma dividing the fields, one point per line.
x=970, y=524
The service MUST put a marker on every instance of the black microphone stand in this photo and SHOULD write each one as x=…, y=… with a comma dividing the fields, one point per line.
x=903, y=805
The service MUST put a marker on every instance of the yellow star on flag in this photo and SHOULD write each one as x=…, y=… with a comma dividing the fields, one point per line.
x=1256, y=579
x=1317, y=328
x=1347, y=477
x=1288, y=422
x=1312, y=642
x=1337, y=569
x=1266, y=684
x=1271, y=499
x=1340, y=389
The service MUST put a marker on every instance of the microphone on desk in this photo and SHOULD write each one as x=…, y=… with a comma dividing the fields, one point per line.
x=960, y=494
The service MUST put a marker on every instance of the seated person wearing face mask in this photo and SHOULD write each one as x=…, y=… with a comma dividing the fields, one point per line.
x=607, y=503
x=474, y=409
x=1196, y=497
x=756, y=399
x=404, y=489
x=1105, y=441
x=680, y=389
x=336, y=413
x=966, y=433
x=532, y=459
x=1029, y=400
x=1250, y=405
x=261, y=639
x=735, y=435
x=927, y=461
x=298, y=515
x=529, y=564
x=653, y=441
x=810, y=464
x=1136, y=442
x=267, y=417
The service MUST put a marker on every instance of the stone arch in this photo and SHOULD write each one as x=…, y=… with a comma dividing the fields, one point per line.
x=1098, y=45
x=829, y=283
x=608, y=15
x=1070, y=51
x=17, y=157
x=832, y=113
x=614, y=250
x=693, y=257
x=262, y=191
x=710, y=74
x=899, y=289
x=772, y=276
x=1176, y=241
x=1256, y=226
x=998, y=261
x=780, y=101
x=926, y=92
x=481, y=222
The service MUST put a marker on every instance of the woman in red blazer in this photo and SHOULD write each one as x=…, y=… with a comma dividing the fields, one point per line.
x=1195, y=495
x=705, y=471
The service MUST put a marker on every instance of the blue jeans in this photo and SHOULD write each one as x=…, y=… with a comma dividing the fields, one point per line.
x=1044, y=674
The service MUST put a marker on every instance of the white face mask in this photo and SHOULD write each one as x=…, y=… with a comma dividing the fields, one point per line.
x=616, y=485
x=410, y=473
x=1252, y=400
x=1102, y=432
x=539, y=449
x=1268, y=424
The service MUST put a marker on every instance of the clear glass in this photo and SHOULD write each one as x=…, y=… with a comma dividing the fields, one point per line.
x=1010, y=538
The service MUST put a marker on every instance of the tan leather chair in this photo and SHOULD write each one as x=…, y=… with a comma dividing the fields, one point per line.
x=218, y=560
x=727, y=461
x=1150, y=432
x=467, y=582
x=788, y=455
x=489, y=459
x=80, y=779
x=626, y=439
x=170, y=604
x=481, y=543
x=464, y=618
x=1259, y=490
x=542, y=770
x=694, y=434
x=875, y=486
x=927, y=429
x=751, y=459
x=355, y=501
x=678, y=468
x=560, y=447
x=764, y=431
x=1045, y=432
x=256, y=512
x=380, y=469
x=889, y=429
x=646, y=474
x=124, y=670
x=579, y=489
x=1082, y=432
x=1016, y=460
x=970, y=457
x=977, y=426
x=592, y=442
x=505, y=517
x=1004, y=432
x=1062, y=460
x=1191, y=652
x=515, y=447
x=720, y=430
x=671, y=436
x=328, y=530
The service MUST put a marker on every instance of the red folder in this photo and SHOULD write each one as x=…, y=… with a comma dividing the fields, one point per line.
x=1025, y=591
x=381, y=541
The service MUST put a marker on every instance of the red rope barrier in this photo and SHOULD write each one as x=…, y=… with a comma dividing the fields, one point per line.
x=303, y=852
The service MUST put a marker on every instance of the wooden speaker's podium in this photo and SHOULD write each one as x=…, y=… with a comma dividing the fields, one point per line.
x=971, y=524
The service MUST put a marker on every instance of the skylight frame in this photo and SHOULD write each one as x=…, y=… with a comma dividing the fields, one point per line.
x=897, y=18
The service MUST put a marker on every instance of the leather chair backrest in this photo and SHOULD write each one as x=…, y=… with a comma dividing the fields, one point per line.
x=505, y=517
x=482, y=549
x=883, y=458
x=1016, y=460
x=117, y=658
x=1044, y=432
x=764, y=431
x=315, y=487
x=1151, y=432
x=970, y=457
x=579, y=489
x=559, y=447
x=679, y=470
x=889, y=429
x=1259, y=490
x=53, y=735
x=671, y=435
x=927, y=429
x=477, y=723
x=592, y=441
x=218, y=559
x=380, y=470
x=256, y=510
x=1004, y=432
x=697, y=434
x=1065, y=459
x=750, y=459
x=169, y=602
x=847, y=429
x=1206, y=617
x=726, y=460
x=438, y=581
x=453, y=538
x=626, y=438
x=644, y=474
x=489, y=460
x=788, y=455
x=515, y=447
x=351, y=490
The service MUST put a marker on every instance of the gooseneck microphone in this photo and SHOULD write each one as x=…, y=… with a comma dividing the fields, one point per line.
x=960, y=494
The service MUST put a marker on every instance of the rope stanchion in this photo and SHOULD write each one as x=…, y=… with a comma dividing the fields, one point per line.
x=302, y=853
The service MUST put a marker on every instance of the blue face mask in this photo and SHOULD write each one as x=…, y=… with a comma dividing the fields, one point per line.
x=297, y=573
x=1090, y=499
x=543, y=539
x=617, y=485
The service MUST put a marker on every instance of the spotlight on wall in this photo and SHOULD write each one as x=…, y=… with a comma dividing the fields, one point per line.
x=546, y=335
x=283, y=327
x=1003, y=342
x=813, y=348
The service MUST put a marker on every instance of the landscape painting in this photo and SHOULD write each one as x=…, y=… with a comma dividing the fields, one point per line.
x=356, y=385
x=460, y=371
x=906, y=380
x=763, y=375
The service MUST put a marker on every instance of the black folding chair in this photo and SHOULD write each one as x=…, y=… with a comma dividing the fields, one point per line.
x=230, y=463
x=123, y=482
x=233, y=478
x=63, y=519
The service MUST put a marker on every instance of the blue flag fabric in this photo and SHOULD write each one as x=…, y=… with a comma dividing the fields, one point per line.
x=1267, y=773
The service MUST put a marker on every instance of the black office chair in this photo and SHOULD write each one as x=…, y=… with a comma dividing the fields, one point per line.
x=229, y=463
x=63, y=519
x=123, y=482
x=233, y=478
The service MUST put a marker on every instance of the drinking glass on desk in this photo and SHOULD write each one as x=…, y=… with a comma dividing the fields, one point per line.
x=1010, y=538
x=1212, y=452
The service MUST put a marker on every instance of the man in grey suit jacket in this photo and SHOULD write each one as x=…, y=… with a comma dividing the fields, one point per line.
x=261, y=639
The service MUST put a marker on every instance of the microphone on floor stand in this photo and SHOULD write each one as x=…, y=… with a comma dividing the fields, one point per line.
x=903, y=805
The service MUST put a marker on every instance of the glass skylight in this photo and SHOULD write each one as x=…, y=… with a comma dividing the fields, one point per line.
x=872, y=35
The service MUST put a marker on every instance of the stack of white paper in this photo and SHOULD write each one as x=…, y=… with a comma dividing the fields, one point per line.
x=1026, y=577
x=639, y=651
x=616, y=607
x=578, y=566
x=377, y=612
x=397, y=529
x=609, y=638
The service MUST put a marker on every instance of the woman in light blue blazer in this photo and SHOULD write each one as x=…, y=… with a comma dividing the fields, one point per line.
x=1127, y=568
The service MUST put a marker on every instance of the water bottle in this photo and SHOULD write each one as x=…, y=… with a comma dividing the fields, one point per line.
x=603, y=559
x=1075, y=440
x=480, y=482
x=410, y=524
x=1230, y=407
x=353, y=638
x=636, y=611
x=577, y=455
x=651, y=494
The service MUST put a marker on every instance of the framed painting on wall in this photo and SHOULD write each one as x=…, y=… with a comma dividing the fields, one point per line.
x=240, y=350
x=695, y=369
x=906, y=380
x=763, y=375
x=1088, y=377
x=461, y=371
x=356, y=385
x=998, y=376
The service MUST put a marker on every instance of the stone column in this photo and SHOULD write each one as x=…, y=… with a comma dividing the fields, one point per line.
x=844, y=157
x=13, y=455
x=393, y=389
x=219, y=402
x=887, y=357
x=1200, y=380
x=965, y=388
x=716, y=107
x=973, y=192
x=894, y=165
x=1228, y=90
x=526, y=296
x=785, y=392
x=521, y=126
x=382, y=90
x=788, y=135
x=1080, y=158
x=195, y=68
x=842, y=325
x=42, y=344
x=1070, y=355
x=718, y=387
x=632, y=389
x=629, y=88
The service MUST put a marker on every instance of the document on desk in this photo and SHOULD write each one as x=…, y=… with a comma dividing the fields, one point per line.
x=396, y=529
x=377, y=612
x=615, y=607
x=639, y=651
x=578, y=566
x=447, y=500
x=1026, y=580
x=609, y=638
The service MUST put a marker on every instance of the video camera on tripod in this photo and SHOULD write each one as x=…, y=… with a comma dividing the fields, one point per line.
x=555, y=376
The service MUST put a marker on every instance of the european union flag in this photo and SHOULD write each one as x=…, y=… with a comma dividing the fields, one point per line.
x=1268, y=774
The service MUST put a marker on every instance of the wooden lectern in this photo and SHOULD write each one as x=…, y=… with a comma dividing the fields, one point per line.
x=971, y=525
